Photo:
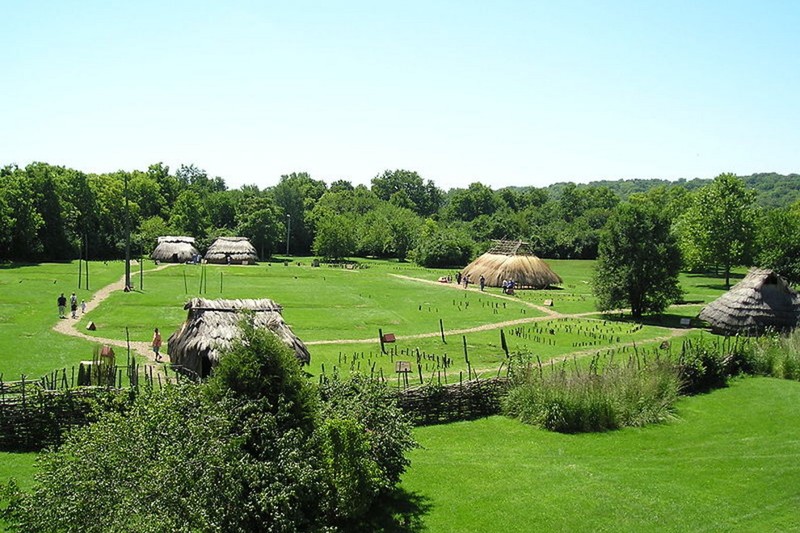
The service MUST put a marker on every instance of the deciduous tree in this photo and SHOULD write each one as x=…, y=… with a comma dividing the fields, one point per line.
x=638, y=262
x=719, y=227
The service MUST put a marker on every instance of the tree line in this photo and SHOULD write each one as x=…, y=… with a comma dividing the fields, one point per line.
x=51, y=212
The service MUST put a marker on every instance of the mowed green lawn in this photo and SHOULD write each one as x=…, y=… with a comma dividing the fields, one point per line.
x=322, y=305
x=319, y=303
x=28, y=311
x=729, y=462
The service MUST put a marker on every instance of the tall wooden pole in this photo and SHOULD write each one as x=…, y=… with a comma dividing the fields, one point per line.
x=127, y=238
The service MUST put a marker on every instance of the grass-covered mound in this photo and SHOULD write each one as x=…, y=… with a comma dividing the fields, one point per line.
x=729, y=462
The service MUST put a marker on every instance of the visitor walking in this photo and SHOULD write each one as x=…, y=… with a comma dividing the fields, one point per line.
x=83, y=307
x=62, y=306
x=482, y=281
x=157, y=345
x=73, y=305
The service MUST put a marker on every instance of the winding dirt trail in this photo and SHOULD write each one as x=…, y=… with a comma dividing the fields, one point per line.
x=550, y=314
x=68, y=326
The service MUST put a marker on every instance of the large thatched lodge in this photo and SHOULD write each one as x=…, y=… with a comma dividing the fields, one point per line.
x=227, y=250
x=512, y=260
x=762, y=301
x=174, y=250
x=212, y=325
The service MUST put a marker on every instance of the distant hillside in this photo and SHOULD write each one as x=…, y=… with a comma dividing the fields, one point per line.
x=774, y=190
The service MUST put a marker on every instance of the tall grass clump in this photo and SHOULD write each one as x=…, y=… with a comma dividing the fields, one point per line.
x=778, y=356
x=568, y=399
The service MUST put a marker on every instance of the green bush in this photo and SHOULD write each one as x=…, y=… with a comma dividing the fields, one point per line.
x=778, y=355
x=252, y=449
x=565, y=399
x=707, y=365
x=442, y=247
x=374, y=406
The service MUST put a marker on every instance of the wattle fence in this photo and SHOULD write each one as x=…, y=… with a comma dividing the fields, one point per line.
x=35, y=414
x=439, y=404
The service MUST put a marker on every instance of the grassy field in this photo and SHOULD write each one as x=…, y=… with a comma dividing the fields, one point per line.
x=338, y=312
x=512, y=475
x=729, y=462
x=28, y=311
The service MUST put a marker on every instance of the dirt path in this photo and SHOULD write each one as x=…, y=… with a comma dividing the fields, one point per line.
x=69, y=326
x=550, y=314
x=542, y=308
x=483, y=327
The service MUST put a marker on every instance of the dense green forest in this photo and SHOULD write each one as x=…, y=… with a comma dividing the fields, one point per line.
x=51, y=212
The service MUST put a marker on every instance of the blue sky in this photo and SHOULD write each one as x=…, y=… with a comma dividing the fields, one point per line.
x=502, y=92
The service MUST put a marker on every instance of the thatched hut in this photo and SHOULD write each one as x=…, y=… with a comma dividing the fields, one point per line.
x=511, y=260
x=232, y=250
x=213, y=324
x=761, y=301
x=174, y=250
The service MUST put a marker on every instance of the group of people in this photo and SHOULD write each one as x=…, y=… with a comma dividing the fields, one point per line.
x=73, y=306
x=464, y=279
x=508, y=286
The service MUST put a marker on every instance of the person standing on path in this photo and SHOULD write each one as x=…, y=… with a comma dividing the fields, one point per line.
x=73, y=305
x=62, y=306
x=157, y=345
x=483, y=282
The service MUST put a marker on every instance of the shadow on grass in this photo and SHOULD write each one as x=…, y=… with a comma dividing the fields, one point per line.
x=11, y=265
x=399, y=512
x=664, y=320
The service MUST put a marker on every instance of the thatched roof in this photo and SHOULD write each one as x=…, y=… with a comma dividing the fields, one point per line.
x=238, y=249
x=762, y=300
x=213, y=324
x=174, y=249
x=511, y=260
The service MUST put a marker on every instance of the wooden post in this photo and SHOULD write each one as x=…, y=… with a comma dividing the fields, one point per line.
x=185, y=286
x=86, y=241
x=380, y=338
x=141, y=273
x=441, y=329
x=220, y=281
x=466, y=357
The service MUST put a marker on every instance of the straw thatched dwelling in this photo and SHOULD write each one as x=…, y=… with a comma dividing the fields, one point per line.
x=213, y=324
x=232, y=250
x=762, y=300
x=174, y=250
x=511, y=260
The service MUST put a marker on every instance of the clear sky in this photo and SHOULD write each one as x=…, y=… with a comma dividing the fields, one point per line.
x=501, y=92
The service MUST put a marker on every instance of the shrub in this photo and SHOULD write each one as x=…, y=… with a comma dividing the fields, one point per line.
x=565, y=399
x=253, y=449
x=778, y=356
x=374, y=406
x=706, y=365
